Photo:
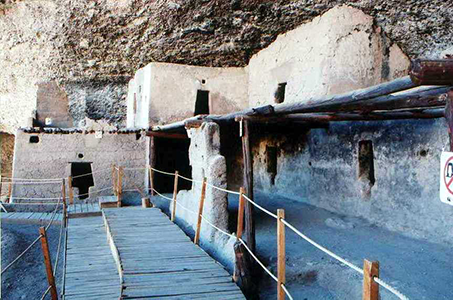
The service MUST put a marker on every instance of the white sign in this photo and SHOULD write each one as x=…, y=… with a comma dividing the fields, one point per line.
x=446, y=177
x=98, y=134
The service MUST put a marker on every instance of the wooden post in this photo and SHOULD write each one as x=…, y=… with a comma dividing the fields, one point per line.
x=10, y=191
x=175, y=193
x=119, y=188
x=370, y=287
x=281, y=255
x=146, y=203
x=63, y=195
x=70, y=190
x=48, y=263
x=152, y=162
x=243, y=272
x=240, y=214
x=200, y=211
x=114, y=180
x=248, y=184
x=449, y=117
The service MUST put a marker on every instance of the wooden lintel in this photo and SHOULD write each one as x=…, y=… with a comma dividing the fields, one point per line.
x=432, y=72
x=193, y=124
x=167, y=135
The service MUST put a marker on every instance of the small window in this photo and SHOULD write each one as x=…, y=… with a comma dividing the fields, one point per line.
x=80, y=155
x=271, y=162
x=280, y=93
x=366, y=166
x=202, y=103
x=34, y=139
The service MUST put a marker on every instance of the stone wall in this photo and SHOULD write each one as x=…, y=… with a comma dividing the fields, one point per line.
x=169, y=92
x=52, y=156
x=206, y=162
x=6, y=158
x=321, y=167
x=337, y=52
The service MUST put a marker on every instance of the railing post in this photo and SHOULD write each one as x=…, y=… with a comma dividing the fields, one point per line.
x=240, y=227
x=175, y=193
x=200, y=211
x=48, y=263
x=281, y=256
x=146, y=203
x=119, y=190
x=151, y=180
x=10, y=191
x=114, y=180
x=70, y=190
x=63, y=195
x=370, y=287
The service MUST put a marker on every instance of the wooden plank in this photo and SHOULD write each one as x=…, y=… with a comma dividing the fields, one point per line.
x=240, y=226
x=200, y=211
x=281, y=254
x=175, y=194
x=370, y=287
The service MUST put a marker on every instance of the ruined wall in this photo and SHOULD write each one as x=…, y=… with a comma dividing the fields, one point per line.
x=52, y=156
x=52, y=103
x=171, y=91
x=6, y=159
x=206, y=161
x=321, y=167
x=338, y=52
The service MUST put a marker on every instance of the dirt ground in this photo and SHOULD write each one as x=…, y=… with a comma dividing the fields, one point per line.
x=27, y=278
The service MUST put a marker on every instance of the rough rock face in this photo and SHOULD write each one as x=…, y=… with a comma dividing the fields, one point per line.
x=76, y=41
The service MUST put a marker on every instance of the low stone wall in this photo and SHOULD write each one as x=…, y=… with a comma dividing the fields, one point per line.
x=207, y=162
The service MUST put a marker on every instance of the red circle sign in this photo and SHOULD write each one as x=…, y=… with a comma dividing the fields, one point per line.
x=448, y=184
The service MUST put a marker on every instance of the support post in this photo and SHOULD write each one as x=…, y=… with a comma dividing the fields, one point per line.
x=70, y=190
x=370, y=287
x=114, y=180
x=449, y=117
x=146, y=203
x=10, y=191
x=175, y=193
x=48, y=263
x=248, y=184
x=119, y=189
x=63, y=195
x=152, y=162
x=243, y=272
x=240, y=214
x=281, y=255
x=200, y=211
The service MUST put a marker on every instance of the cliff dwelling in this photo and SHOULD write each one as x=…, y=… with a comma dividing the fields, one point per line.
x=226, y=150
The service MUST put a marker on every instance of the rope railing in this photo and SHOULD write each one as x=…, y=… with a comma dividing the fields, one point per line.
x=66, y=198
x=300, y=234
x=22, y=254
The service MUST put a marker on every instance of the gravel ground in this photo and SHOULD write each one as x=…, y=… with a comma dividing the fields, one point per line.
x=27, y=278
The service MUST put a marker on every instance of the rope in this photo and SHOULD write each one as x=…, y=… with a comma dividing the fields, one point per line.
x=46, y=292
x=223, y=190
x=165, y=197
x=66, y=198
x=258, y=261
x=287, y=292
x=260, y=207
x=162, y=172
x=20, y=255
x=59, y=247
x=390, y=288
x=54, y=213
x=2, y=207
x=189, y=179
x=328, y=252
x=52, y=180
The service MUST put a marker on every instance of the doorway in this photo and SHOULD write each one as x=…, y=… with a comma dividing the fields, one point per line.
x=83, y=183
x=202, y=103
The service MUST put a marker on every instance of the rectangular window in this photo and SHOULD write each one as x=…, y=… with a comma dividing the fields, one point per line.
x=271, y=162
x=280, y=93
x=202, y=103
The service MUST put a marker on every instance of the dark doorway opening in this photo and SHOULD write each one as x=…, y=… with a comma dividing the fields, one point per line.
x=202, y=103
x=172, y=155
x=82, y=182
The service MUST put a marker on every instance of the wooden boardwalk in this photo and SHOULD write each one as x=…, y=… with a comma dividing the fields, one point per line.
x=158, y=261
x=35, y=218
x=91, y=271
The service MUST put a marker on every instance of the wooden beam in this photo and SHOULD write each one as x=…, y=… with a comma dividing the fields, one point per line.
x=200, y=212
x=63, y=195
x=48, y=263
x=315, y=118
x=243, y=271
x=167, y=135
x=281, y=254
x=248, y=184
x=240, y=214
x=152, y=163
x=146, y=203
x=114, y=180
x=449, y=117
x=370, y=287
x=119, y=187
x=175, y=194
x=432, y=72
x=70, y=190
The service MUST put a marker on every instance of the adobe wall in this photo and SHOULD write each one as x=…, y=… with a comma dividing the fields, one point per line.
x=321, y=167
x=52, y=156
x=340, y=51
x=172, y=90
x=206, y=161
